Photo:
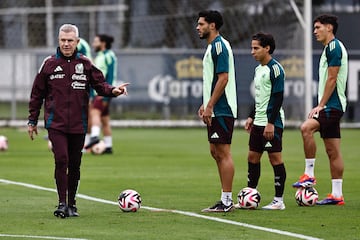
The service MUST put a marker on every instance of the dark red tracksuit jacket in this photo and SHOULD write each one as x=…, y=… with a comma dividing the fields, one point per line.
x=64, y=83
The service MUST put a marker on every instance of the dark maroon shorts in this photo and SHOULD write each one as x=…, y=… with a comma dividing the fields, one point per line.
x=101, y=105
x=221, y=130
x=329, y=120
x=258, y=143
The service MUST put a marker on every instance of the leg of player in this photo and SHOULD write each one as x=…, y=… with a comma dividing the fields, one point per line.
x=60, y=149
x=253, y=168
x=76, y=141
x=105, y=120
x=88, y=132
x=95, y=115
x=308, y=128
x=222, y=155
x=279, y=181
x=332, y=146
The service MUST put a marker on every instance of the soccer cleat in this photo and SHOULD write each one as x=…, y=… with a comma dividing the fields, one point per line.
x=108, y=150
x=275, y=205
x=331, y=200
x=61, y=211
x=305, y=181
x=219, y=207
x=92, y=142
x=72, y=211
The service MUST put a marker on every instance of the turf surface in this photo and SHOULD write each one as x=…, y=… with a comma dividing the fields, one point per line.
x=172, y=169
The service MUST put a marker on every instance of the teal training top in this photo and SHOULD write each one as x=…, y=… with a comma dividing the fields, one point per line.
x=268, y=80
x=219, y=58
x=334, y=54
x=84, y=48
x=106, y=61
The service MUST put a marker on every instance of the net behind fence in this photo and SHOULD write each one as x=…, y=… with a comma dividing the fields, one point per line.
x=158, y=48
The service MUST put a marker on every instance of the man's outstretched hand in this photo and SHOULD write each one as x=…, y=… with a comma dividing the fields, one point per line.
x=120, y=90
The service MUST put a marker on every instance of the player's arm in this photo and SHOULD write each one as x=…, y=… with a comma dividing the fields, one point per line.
x=333, y=57
x=329, y=89
x=218, y=91
x=330, y=85
x=278, y=100
x=97, y=81
x=201, y=111
x=277, y=95
x=37, y=96
x=270, y=127
x=250, y=120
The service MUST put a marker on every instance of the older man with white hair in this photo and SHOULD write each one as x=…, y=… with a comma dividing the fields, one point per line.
x=63, y=84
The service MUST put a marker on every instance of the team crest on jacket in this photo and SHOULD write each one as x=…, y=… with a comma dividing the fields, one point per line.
x=79, y=68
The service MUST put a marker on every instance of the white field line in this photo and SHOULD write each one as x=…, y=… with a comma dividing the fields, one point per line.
x=39, y=237
x=190, y=214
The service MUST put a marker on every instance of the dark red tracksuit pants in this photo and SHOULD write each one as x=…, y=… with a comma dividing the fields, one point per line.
x=67, y=152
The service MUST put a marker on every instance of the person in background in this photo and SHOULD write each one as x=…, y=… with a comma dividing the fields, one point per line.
x=83, y=47
x=106, y=61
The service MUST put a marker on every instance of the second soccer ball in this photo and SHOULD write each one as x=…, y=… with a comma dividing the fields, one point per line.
x=306, y=196
x=129, y=200
x=249, y=198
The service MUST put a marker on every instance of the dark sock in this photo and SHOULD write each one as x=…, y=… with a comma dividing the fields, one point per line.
x=279, y=179
x=253, y=174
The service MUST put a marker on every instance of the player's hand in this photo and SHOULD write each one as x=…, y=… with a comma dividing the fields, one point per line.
x=31, y=131
x=248, y=124
x=315, y=112
x=207, y=115
x=120, y=90
x=269, y=131
x=201, y=112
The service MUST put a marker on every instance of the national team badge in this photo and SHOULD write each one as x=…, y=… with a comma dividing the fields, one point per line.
x=79, y=68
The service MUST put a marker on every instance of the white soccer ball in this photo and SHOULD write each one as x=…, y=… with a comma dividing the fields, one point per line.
x=129, y=200
x=249, y=198
x=4, y=145
x=98, y=148
x=306, y=196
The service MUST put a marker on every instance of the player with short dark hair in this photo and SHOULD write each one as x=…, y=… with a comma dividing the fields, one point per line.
x=219, y=108
x=266, y=122
x=106, y=61
x=63, y=84
x=326, y=116
x=83, y=47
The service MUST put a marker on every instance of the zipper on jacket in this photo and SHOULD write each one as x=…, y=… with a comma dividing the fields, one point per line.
x=69, y=94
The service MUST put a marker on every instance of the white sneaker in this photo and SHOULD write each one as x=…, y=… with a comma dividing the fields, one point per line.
x=275, y=205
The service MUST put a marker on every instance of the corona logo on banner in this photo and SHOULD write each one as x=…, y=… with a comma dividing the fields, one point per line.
x=293, y=66
x=187, y=83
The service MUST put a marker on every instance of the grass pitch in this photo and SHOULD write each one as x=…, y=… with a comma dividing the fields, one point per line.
x=172, y=169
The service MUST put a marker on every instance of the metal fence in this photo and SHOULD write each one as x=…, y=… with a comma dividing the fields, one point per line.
x=159, y=51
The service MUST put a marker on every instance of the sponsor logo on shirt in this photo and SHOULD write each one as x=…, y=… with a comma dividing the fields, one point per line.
x=78, y=85
x=79, y=77
x=58, y=69
x=57, y=76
